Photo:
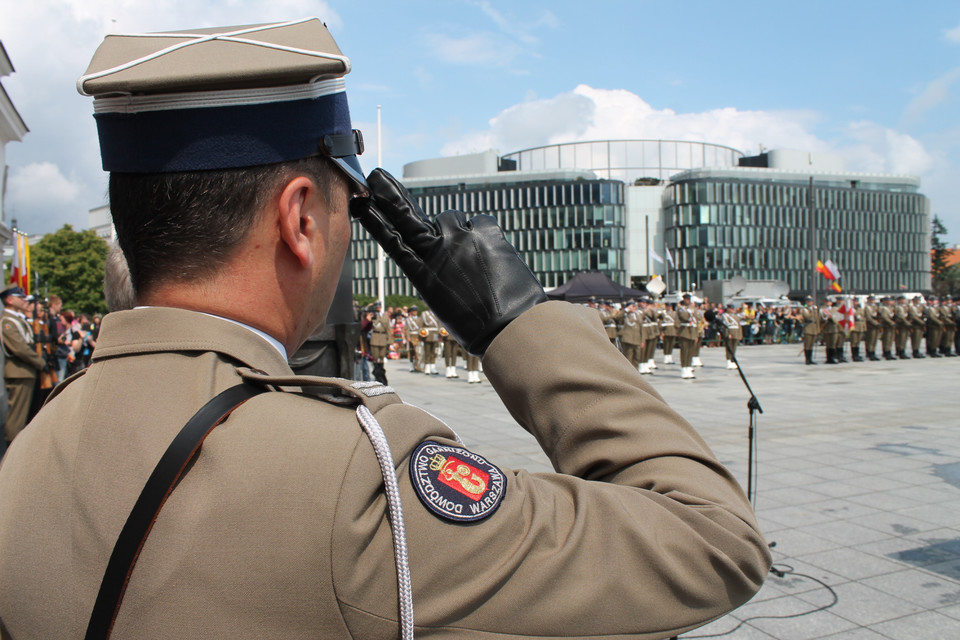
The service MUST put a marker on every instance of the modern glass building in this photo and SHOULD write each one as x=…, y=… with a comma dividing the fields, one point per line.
x=771, y=224
x=561, y=223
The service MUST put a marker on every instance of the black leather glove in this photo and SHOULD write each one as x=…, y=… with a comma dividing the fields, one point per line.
x=466, y=271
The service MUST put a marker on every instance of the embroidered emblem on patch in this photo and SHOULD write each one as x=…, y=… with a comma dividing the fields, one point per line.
x=456, y=484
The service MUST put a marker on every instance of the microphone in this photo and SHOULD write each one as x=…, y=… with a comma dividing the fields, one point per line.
x=711, y=316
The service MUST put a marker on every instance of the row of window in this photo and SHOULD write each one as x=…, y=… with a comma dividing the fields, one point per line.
x=707, y=192
x=795, y=259
x=472, y=199
x=704, y=214
x=833, y=239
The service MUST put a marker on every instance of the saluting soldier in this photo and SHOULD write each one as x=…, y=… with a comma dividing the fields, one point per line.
x=810, y=317
x=609, y=316
x=357, y=515
x=871, y=314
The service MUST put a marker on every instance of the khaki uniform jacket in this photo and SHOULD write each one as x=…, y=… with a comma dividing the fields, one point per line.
x=380, y=331
x=731, y=326
x=280, y=528
x=810, y=316
x=22, y=359
x=932, y=315
x=412, y=328
x=887, y=316
x=859, y=320
x=668, y=323
x=631, y=331
x=429, y=322
x=689, y=324
x=609, y=318
x=915, y=314
x=871, y=314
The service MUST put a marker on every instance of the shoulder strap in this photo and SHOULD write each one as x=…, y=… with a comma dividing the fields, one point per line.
x=171, y=467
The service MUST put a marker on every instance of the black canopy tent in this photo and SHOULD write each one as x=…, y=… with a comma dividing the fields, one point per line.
x=593, y=284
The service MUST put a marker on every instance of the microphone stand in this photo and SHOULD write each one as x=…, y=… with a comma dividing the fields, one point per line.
x=753, y=407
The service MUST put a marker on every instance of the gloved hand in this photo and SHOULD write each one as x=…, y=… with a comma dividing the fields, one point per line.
x=466, y=271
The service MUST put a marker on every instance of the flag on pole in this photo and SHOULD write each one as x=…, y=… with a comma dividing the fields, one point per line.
x=828, y=270
x=836, y=287
x=832, y=268
x=19, y=270
x=656, y=256
x=670, y=259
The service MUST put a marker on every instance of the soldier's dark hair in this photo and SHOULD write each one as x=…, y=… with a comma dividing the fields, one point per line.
x=185, y=226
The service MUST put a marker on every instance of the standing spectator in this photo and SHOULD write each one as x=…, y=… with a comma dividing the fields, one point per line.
x=23, y=363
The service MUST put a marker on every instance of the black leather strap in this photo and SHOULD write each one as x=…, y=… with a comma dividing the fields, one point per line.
x=168, y=472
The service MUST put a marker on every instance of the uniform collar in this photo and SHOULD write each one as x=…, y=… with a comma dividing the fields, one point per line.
x=167, y=329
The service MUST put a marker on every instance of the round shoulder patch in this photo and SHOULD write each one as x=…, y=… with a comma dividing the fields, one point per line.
x=456, y=484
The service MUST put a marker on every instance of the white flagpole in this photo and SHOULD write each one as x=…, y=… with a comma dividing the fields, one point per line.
x=381, y=258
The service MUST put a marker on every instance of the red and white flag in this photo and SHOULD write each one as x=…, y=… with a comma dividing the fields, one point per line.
x=846, y=313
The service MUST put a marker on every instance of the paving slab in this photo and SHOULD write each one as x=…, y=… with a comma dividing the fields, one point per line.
x=857, y=480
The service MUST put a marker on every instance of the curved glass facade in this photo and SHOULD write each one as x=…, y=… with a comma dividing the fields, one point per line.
x=627, y=160
x=558, y=227
x=775, y=229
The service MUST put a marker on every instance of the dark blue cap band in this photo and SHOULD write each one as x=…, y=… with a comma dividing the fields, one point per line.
x=224, y=137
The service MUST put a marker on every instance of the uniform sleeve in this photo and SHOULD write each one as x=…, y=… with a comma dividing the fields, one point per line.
x=13, y=341
x=640, y=533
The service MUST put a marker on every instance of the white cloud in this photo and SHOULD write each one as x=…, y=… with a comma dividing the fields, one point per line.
x=873, y=148
x=42, y=199
x=934, y=94
x=41, y=181
x=953, y=35
x=587, y=113
x=478, y=49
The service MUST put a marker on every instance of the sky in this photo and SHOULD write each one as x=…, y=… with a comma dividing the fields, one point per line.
x=877, y=82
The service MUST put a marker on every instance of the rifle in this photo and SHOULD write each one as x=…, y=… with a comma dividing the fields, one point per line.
x=45, y=348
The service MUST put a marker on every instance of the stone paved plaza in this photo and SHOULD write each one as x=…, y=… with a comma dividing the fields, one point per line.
x=857, y=482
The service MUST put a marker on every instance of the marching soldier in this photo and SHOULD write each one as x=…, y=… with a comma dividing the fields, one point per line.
x=871, y=314
x=948, y=314
x=651, y=333
x=687, y=334
x=829, y=330
x=631, y=337
x=732, y=334
x=810, y=316
x=888, y=320
x=430, y=339
x=859, y=328
x=380, y=337
x=934, y=327
x=609, y=316
x=668, y=327
x=917, y=325
x=902, y=317
x=414, y=348
x=451, y=351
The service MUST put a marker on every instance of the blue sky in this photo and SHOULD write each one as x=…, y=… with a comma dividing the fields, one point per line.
x=877, y=82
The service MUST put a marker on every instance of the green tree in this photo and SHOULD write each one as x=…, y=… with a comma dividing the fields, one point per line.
x=70, y=265
x=938, y=253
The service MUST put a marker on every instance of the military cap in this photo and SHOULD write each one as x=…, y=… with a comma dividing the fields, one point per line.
x=413, y=307
x=222, y=98
x=16, y=292
x=686, y=296
x=871, y=298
